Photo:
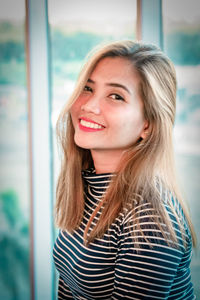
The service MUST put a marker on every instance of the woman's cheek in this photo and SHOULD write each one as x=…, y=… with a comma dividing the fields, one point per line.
x=75, y=107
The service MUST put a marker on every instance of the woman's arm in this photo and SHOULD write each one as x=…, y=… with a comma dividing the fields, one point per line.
x=145, y=272
x=64, y=292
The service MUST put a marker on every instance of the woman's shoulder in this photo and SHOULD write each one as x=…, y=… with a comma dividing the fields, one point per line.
x=174, y=208
x=143, y=217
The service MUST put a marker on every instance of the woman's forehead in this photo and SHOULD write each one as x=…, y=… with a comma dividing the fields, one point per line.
x=114, y=67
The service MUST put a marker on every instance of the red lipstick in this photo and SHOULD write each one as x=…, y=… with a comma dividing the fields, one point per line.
x=88, y=125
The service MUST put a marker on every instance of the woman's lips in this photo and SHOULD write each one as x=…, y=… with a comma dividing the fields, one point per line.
x=89, y=125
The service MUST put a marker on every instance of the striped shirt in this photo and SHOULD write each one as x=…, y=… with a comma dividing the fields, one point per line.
x=113, y=267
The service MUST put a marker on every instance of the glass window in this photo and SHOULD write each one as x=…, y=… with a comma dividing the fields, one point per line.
x=181, y=23
x=14, y=162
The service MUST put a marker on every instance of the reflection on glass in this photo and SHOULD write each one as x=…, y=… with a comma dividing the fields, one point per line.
x=182, y=44
x=14, y=181
x=77, y=27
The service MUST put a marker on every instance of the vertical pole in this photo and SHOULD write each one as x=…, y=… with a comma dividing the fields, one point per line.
x=139, y=20
x=38, y=77
x=149, y=22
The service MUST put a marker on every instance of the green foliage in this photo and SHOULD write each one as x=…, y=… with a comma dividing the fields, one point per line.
x=14, y=245
x=13, y=72
x=68, y=50
x=187, y=104
x=12, y=53
x=12, y=50
x=65, y=70
x=14, y=31
x=184, y=48
x=74, y=46
x=10, y=207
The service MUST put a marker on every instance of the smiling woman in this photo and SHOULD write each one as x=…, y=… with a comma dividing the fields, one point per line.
x=113, y=108
x=124, y=228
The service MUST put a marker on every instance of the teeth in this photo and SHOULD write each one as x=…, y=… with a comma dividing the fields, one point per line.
x=90, y=125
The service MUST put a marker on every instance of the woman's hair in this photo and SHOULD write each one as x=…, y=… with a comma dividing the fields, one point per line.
x=145, y=167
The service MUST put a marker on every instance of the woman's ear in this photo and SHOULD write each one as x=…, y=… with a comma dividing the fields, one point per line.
x=145, y=130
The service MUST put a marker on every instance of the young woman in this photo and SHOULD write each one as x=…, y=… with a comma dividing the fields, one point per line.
x=124, y=230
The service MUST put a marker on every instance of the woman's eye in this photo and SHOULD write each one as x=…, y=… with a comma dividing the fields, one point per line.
x=116, y=97
x=87, y=89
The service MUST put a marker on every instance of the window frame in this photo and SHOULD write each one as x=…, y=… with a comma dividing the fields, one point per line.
x=40, y=147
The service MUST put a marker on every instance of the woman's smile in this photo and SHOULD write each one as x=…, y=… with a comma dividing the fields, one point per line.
x=89, y=125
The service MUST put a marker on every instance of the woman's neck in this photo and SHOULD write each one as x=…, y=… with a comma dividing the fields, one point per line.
x=106, y=161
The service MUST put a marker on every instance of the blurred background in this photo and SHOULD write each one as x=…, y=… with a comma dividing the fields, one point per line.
x=72, y=28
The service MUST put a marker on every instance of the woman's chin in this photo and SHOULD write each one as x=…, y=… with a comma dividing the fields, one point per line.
x=82, y=144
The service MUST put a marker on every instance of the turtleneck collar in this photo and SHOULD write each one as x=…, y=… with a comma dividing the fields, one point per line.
x=98, y=183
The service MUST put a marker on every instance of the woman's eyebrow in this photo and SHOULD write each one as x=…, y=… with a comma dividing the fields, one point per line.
x=90, y=80
x=119, y=85
x=113, y=84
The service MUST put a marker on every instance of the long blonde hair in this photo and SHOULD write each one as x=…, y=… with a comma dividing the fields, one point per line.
x=144, y=166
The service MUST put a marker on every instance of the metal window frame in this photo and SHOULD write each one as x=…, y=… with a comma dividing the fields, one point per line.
x=40, y=142
x=149, y=22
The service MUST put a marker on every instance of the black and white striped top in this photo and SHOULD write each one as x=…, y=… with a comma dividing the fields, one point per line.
x=112, y=267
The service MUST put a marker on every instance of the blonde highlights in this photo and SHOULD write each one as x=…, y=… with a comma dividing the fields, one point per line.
x=145, y=166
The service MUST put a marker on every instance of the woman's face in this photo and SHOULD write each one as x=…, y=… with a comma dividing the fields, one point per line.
x=108, y=114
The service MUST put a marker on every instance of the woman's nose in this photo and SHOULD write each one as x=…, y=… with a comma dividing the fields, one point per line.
x=92, y=105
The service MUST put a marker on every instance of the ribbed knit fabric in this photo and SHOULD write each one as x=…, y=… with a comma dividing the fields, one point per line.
x=113, y=267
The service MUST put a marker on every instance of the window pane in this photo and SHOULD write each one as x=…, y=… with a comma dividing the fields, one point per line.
x=14, y=174
x=182, y=44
